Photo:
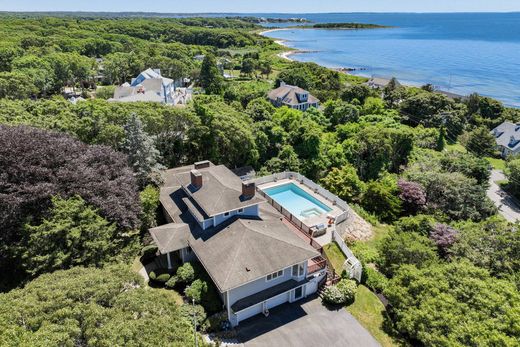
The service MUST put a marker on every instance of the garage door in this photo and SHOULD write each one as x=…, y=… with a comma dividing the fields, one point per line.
x=277, y=300
x=249, y=312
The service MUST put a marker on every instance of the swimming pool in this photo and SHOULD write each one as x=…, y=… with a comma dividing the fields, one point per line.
x=297, y=201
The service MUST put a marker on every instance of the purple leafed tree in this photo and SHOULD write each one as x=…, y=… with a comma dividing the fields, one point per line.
x=412, y=194
x=37, y=164
x=444, y=236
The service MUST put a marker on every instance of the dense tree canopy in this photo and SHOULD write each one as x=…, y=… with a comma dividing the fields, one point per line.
x=91, y=307
x=37, y=165
x=454, y=304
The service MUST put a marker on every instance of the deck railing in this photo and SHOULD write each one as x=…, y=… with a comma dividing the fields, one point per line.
x=354, y=265
x=318, y=264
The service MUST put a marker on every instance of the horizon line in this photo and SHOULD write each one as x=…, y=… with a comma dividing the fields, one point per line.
x=256, y=13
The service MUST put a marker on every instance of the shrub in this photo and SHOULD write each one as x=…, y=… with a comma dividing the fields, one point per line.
x=187, y=311
x=341, y=293
x=159, y=276
x=196, y=290
x=172, y=282
x=348, y=289
x=333, y=295
x=217, y=322
x=374, y=279
x=365, y=253
x=185, y=274
x=163, y=278
x=148, y=253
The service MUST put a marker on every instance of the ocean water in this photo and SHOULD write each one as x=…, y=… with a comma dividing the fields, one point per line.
x=461, y=53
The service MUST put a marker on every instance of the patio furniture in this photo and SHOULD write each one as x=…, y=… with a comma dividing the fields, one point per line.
x=318, y=230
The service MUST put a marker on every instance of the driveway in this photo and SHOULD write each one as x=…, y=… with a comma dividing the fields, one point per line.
x=506, y=204
x=305, y=323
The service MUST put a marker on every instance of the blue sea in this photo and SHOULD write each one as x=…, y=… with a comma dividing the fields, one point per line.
x=457, y=52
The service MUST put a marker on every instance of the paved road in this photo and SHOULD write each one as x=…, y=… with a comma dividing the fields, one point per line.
x=305, y=324
x=506, y=204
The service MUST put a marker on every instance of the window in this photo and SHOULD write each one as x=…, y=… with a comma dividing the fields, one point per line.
x=226, y=214
x=274, y=275
x=297, y=270
x=241, y=210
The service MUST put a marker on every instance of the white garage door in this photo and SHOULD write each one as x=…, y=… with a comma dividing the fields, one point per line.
x=277, y=300
x=249, y=312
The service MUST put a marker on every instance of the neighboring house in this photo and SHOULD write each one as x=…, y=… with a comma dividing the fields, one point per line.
x=507, y=137
x=151, y=86
x=380, y=83
x=293, y=97
x=255, y=260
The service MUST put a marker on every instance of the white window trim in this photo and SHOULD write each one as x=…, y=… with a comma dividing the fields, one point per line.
x=277, y=273
x=300, y=270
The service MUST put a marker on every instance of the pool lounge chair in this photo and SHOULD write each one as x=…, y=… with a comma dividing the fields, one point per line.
x=318, y=230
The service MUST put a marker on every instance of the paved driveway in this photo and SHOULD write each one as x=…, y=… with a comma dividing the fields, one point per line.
x=305, y=323
x=506, y=204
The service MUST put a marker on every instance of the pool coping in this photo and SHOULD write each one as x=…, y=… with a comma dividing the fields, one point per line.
x=311, y=221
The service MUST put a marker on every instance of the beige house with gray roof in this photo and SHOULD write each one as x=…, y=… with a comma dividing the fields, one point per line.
x=293, y=97
x=255, y=260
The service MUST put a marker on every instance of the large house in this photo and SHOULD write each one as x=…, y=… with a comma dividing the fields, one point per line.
x=293, y=97
x=507, y=137
x=151, y=86
x=254, y=258
x=380, y=83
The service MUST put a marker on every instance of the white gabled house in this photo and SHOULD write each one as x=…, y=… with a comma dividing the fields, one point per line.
x=254, y=259
x=507, y=137
x=151, y=86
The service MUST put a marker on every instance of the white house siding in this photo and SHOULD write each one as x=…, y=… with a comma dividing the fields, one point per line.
x=247, y=211
x=247, y=313
x=259, y=285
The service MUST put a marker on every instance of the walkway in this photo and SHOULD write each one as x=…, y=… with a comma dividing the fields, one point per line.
x=505, y=203
x=305, y=323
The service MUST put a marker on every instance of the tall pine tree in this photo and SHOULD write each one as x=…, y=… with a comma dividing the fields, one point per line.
x=143, y=157
x=210, y=78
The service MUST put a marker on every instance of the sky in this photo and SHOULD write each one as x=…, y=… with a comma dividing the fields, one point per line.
x=263, y=6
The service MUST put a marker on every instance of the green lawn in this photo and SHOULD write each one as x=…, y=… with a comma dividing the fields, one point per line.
x=498, y=164
x=371, y=313
x=456, y=147
x=335, y=255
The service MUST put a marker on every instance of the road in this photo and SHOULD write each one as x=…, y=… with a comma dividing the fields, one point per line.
x=506, y=204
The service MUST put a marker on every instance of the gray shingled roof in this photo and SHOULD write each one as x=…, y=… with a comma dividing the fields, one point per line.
x=247, y=249
x=507, y=135
x=221, y=189
x=237, y=251
x=289, y=95
x=171, y=237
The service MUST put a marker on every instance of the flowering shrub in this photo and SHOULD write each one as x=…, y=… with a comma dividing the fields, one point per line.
x=444, y=236
x=341, y=293
x=412, y=194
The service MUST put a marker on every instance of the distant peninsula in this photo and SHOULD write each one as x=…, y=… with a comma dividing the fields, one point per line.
x=344, y=26
x=263, y=20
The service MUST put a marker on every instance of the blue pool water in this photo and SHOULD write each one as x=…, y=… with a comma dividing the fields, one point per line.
x=297, y=201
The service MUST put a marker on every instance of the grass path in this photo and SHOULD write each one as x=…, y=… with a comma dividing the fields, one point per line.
x=371, y=313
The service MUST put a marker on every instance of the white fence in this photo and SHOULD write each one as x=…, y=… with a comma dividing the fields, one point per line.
x=352, y=263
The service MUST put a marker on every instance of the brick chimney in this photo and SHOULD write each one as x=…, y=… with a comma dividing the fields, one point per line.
x=202, y=164
x=248, y=189
x=196, y=179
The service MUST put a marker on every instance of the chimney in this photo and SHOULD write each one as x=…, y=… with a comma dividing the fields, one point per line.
x=196, y=179
x=202, y=164
x=248, y=189
x=282, y=84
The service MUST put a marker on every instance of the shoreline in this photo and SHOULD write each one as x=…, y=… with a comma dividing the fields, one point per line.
x=347, y=70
